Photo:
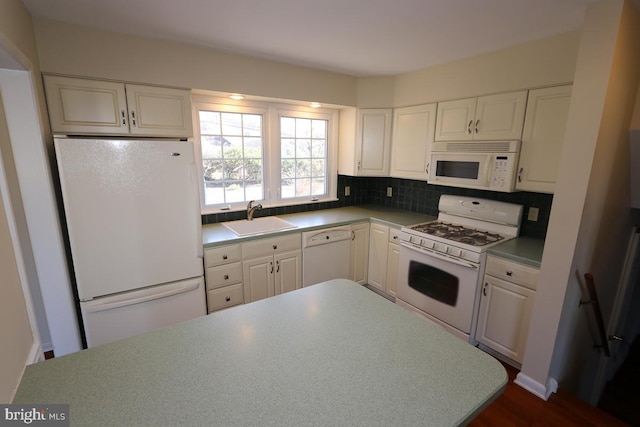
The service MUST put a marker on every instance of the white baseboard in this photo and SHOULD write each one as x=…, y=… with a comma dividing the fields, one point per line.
x=35, y=354
x=536, y=388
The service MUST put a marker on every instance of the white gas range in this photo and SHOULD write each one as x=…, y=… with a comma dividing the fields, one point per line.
x=442, y=262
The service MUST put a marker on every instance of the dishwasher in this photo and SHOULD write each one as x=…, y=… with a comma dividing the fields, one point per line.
x=325, y=255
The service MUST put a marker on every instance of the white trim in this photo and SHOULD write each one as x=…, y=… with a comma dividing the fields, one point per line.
x=534, y=387
x=17, y=252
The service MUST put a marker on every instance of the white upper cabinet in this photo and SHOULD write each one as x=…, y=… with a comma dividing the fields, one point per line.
x=365, y=142
x=542, y=138
x=413, y=129
x=94, y=107
x=159, y=111
x=491, y=117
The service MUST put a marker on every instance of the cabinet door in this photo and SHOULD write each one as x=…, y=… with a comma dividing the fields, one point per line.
x=500, y=116
x=157, y=111
x=455, y=119
x=378, y=246
x=505, y=313
x=359, y=253
x=88, y=107
x=374, y=142
x=413, y=129
x=258, y=276
x=288, y=274
x=542, y=138
x=393, y=255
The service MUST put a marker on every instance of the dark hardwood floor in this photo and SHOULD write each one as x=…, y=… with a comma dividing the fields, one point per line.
x=518, y=407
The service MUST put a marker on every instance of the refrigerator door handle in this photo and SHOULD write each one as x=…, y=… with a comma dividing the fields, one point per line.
x=112, y=303
x=194, y=187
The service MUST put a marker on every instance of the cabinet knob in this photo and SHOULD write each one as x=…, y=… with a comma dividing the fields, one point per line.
x=124, y=118
x=133, y=118
x=484, y=289
x=477, y=123
x=469, y=127
x=509, y=273
x=226, y=277
x=224, y=257
x=520, y=174
x=227, y=299
x=275, y=247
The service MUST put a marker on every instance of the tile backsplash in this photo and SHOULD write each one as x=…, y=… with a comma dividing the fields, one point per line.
x=415, y=196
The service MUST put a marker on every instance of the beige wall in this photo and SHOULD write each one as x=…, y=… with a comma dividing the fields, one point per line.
x=546, y=62
x=74, y=50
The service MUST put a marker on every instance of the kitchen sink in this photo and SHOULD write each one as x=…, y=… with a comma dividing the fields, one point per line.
x=265, y=224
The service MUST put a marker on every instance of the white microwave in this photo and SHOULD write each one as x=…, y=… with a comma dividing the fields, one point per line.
x=488, y=165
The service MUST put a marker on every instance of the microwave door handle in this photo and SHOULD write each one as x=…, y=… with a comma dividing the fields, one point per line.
x=442, y=257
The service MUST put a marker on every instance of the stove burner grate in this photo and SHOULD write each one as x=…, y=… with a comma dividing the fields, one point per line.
x=458, y=233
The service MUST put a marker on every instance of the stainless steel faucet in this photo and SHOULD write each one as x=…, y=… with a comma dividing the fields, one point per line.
x=252, y=209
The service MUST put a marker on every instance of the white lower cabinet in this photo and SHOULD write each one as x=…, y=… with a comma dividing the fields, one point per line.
x=383, y=258
x=223, y=275
x=359, y=252
x=507, y=299
x=271, y=266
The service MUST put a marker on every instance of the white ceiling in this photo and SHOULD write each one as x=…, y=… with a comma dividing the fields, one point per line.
x=356, y=37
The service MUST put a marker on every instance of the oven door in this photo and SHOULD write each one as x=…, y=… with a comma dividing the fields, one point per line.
x=439, y=286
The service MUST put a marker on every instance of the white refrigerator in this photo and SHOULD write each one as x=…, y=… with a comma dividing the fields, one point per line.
x=133, y=217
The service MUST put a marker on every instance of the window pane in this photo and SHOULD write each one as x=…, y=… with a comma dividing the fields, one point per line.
x=303, y=148
x=318, y=186
x=319, y=149
x=303, y=128
x=232, y=157
x=210, y=122
x=252, y=125
x=288, y=148
x=287, y=127
x=319, y=129
x=211, y=147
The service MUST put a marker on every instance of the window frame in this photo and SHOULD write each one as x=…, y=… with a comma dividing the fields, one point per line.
x=271, y=113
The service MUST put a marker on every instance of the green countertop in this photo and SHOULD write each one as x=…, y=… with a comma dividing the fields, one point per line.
x=326, y=355
x=525, y=250
x=216, y=234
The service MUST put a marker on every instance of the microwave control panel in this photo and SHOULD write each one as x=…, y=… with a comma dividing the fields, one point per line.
x=502, y=173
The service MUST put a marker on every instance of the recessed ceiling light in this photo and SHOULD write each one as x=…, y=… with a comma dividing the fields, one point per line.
x=315, y=105
x=236, y=96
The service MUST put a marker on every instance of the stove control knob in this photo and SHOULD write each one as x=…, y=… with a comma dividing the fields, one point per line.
x=457, y=252
x=412, y=239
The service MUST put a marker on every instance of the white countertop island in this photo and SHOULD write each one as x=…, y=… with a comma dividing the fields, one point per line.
x=333, y=354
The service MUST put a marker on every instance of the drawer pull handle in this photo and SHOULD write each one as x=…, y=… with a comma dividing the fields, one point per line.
x=226, y=277
x=484, y=289
x=227, y=299
x=509, y=273
x=224, y=257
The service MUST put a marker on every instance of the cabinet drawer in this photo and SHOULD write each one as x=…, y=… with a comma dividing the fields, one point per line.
x=271, y=245
x=394, y=235
x=512, y=272
x=225, y=297
x=224, y=275
x=222, y=255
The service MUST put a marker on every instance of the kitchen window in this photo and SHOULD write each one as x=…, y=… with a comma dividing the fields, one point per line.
x=272, y=153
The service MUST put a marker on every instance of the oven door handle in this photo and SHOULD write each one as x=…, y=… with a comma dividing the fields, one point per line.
x=442, y=257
